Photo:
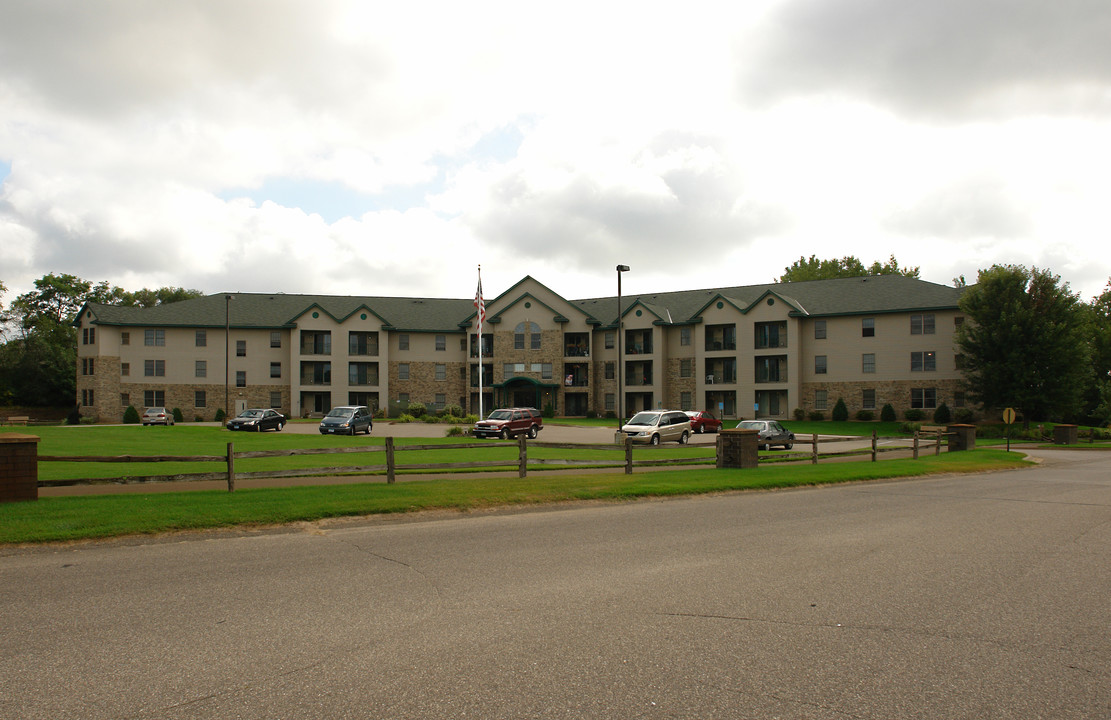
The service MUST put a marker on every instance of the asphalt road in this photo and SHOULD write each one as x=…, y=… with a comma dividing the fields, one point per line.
x=983, y=596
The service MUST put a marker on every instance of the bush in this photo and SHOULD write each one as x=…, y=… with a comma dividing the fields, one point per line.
x=816, y=415
x=454, y=411
x=198, y=418
x=548, y=411
x=964, y=415
x=130, y=415
x=799, y=414
x=220, y=415
x=840, y=411
x=914, y=414
x=417, y=409
x=592, y=413
x=429, y=418
x=74, y=417
x=454, y=431
x=942, y=416
x=405, y=418
x=865, y=415
x=909, y=428
x=178, y=417
x=887, y=414
x=611, y=415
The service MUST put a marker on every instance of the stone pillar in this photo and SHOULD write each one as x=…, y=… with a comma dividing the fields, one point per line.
x=736, y=448
x=19, y=467
x=961, y=437
x=1064, y=435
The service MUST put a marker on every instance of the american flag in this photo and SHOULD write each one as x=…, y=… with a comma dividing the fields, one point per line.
x=479, y=305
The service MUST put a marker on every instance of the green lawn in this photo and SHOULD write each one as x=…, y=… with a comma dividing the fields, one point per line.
x=99, y=516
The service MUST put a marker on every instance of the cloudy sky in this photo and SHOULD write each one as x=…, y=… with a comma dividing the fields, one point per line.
x=389, y=148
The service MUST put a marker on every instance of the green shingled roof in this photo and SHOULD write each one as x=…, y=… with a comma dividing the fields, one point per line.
x=847, y=296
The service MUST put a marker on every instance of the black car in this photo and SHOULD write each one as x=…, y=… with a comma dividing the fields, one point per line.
x=347, y=420
x=257, y=420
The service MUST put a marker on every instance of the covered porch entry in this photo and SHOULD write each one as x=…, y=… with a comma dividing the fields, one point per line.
x=526, y=392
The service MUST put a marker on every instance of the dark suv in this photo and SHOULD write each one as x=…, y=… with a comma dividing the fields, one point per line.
x=347, y=420
x=510, y=422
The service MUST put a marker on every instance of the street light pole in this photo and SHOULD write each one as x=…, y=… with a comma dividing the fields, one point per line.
x=227, y=349
x=620, y=361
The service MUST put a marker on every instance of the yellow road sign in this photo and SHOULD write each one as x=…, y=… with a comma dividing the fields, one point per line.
x=1009, y=415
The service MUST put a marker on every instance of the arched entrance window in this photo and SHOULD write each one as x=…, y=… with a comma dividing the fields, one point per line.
x=532, y=330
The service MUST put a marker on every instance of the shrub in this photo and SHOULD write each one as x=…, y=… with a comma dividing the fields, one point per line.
x=74, y=417
x=887, y=414
x=548, y=411
x=816, y=415
x=405, y=418
x=178, y=417
x=964, y=415
x=220, y=415
x=130, y=415
x=454, y=431
x=611, y=415
x=865, y=415
x=198, y=418
x=914, y=414
x=417, y=409
x=592, y=413
x=942, y=416
x=429, y=418
x=909, y=428
x=840, y=411
x=453, y=411
x=799, y=414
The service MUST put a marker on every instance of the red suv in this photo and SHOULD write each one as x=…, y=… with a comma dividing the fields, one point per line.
x=510, y=422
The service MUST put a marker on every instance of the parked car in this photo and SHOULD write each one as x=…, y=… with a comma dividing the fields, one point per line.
x=347, y=420
x=770, y=433
x=509, y=422
x=703, y=421
x=656, y=426
x=257, y=420
x=157, y=416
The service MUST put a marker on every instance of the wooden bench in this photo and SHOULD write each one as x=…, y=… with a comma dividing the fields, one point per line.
x=19, y=420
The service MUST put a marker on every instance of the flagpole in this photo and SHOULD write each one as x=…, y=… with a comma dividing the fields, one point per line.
x=480, y=312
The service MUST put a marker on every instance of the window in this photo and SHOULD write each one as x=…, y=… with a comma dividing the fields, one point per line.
x=923, y=361
x=154, y=398
x=610, y=340
x=241, y=378
x=362, y=343
x=610, y=404
x=125, y=368
x=868, y=363
x=611, y=372
x=200, y=368
x=685, y=367
x=868, y=399
x=684, y=336
x=403, y=341
x=86, y=366
x=868, y=327
x=125, y=399
x=819, y=329
x=362, y=373
x=403, y=371
x=922, y=324
x=772, y=368
x=88, y=336
x=441, y=400
x=923, y=398
x=403, y=399
x=275, y=339
x=441, y=372
x=154, y=338
x=201, y=340
x=275, y=369
x=685, y=401
x=526, y=328
x=276, y=399
x=771, y=335
x=154, y=368
x=821, y=399
x=125, y=338
x=441, y=342
x=86, y=397
x=819, y=364
x=241, y=348
x=200, y=399
x=546, y=371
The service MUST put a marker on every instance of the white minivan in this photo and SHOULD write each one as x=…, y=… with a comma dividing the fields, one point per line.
x=656, y=426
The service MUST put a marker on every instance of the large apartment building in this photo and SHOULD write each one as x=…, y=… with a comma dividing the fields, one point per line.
x=751, y=351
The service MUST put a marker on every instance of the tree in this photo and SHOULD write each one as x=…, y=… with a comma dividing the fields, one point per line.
x=1098, y=393
x=1024, y=344
x=848, y=266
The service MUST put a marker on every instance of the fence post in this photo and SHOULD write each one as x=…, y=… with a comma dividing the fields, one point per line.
x=873, y=445
x=814, y=450
x=522, y=456
x=915, y=444
x=390, y=464
x=628, y=456
x=231, y=467
x=937, y=445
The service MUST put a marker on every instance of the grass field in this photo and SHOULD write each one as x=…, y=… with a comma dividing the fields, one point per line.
x=101, y=516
